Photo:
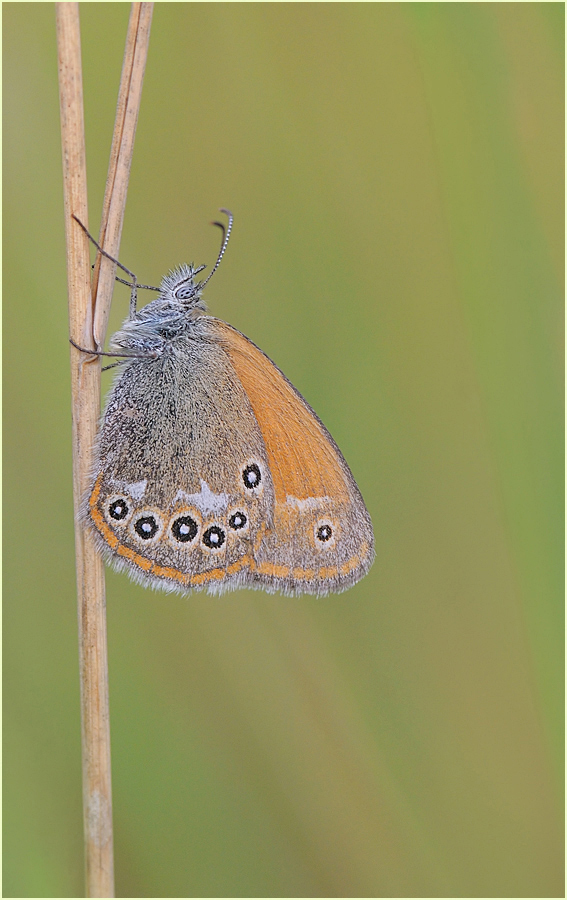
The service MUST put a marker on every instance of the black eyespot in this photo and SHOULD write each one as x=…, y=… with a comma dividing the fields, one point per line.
x=146, y=527
x=184, y=529
x=251, y=476
x=324, y=533
x=214, y=537
x=118, y=509
x=237, y=521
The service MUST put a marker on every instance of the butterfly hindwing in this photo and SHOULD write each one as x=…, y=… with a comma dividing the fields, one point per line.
x=182, y=486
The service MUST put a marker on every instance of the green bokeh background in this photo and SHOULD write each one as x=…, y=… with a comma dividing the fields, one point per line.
x=396, y=174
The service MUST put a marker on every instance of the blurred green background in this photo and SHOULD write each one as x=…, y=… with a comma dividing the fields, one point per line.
x=396, y=174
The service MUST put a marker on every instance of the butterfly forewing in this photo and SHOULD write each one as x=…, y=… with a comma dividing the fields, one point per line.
x=321, y=538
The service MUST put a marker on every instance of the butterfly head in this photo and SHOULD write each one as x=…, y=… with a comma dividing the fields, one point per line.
x=180, y=288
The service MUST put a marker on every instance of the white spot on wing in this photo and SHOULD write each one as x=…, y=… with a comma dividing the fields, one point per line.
x=138, y=489
x=308, y=502
x=206, y=501
x=135, y=490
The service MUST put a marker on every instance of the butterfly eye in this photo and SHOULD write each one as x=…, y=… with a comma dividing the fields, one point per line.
x=251, y=476
x=185, y=292
x=118, y=509
x=237, y=521
x=146, y=526
x=184, y=529
x=214, y=537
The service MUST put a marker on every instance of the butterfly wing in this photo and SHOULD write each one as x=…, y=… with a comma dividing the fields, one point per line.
x=320, y=536
x=213, y=472
x=182, y=484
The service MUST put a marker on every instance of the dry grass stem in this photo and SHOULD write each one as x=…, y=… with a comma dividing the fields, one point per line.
x=85, y=385
x=129, y=97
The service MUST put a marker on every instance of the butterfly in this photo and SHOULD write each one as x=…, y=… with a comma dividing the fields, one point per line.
x=211, y=470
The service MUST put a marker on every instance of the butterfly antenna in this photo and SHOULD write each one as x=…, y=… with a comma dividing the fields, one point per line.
x=145, y=287
x=225, y=236
x=141, y=287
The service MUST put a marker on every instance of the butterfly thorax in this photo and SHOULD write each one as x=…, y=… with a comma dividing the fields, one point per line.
x=172, y=314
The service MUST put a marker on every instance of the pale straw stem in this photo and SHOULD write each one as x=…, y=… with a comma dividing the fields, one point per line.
x=85, y=390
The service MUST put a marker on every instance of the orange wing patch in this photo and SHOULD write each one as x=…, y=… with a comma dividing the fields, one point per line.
x=304, y=460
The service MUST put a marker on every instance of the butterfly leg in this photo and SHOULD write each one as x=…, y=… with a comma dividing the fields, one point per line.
x=152, y=354
x=104, y=253
x=133, y=285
